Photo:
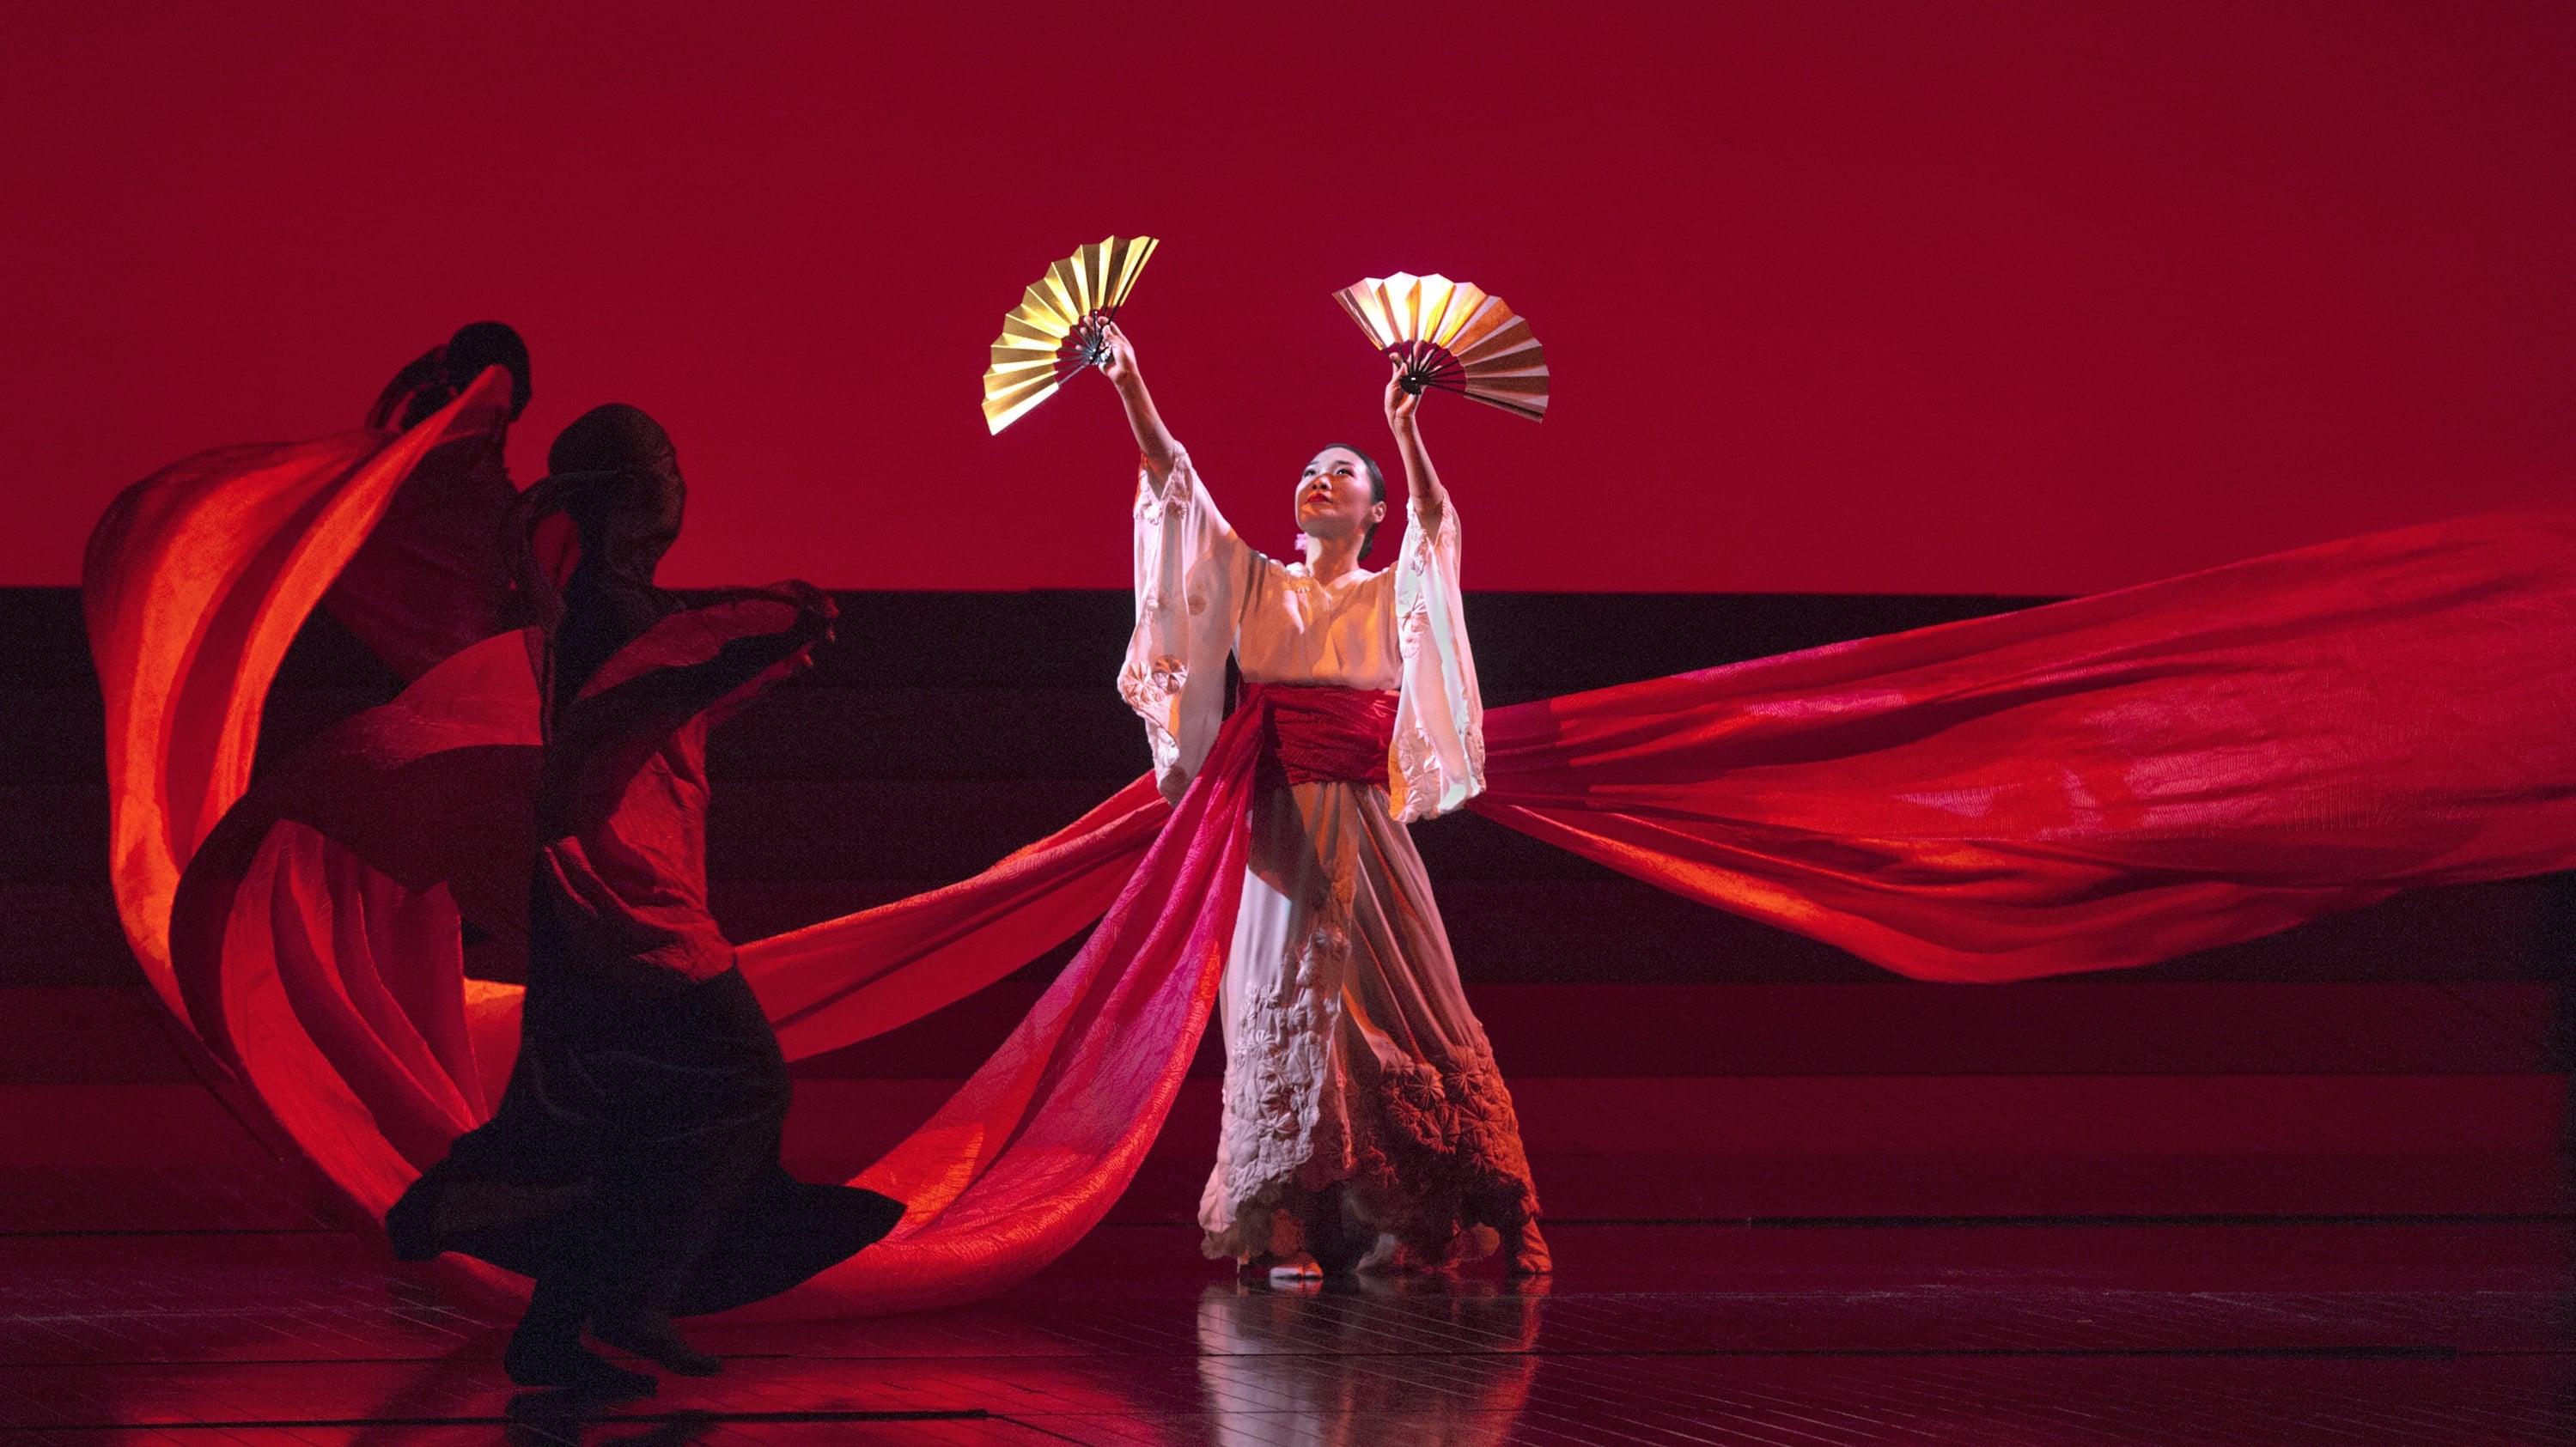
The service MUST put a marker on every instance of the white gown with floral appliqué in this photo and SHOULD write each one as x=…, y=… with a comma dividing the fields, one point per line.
x=1362, y=1105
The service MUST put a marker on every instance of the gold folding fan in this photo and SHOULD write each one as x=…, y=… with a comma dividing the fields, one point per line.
x=1454, y=336
x=1055, y=331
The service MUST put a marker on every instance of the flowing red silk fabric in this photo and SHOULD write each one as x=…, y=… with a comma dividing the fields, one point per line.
x=326, y=896
x=2108, y=781
x=2081, y=786
x=194, y=583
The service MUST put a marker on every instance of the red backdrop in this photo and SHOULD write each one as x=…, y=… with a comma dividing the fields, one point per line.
x=1873, y=297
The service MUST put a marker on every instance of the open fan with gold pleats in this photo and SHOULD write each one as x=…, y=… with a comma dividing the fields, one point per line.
x=1452, y=335
x=1055, y=331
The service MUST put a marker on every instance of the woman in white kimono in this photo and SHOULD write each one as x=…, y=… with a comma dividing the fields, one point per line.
x=1365, y=1124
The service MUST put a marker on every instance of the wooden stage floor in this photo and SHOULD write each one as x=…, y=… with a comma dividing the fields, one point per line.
x=1790, y=1334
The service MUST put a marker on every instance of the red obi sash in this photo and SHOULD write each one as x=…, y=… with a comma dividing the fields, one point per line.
x=1320, y=734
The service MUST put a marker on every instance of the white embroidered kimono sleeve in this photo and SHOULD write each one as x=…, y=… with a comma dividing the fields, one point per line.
x=1191, y=572
x=1438, y=761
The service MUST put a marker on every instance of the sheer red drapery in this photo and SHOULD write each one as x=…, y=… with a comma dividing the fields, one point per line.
x=2107, y=781
x=194, y=583
x=2092, y=784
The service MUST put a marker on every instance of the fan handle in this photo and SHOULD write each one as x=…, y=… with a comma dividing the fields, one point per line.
x=1087, y=345
x=1426, y=364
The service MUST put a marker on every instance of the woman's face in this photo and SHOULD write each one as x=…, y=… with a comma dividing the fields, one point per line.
x=1333, y=498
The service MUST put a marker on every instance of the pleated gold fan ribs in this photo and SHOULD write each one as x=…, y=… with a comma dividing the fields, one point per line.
x=1055, y=331
x=1452, y=335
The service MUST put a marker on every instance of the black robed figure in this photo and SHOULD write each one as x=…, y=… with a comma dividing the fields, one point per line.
x=633, y=1165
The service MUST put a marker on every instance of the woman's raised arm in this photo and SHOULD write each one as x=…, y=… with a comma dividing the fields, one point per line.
x=1430, y=499
x=1153, y=439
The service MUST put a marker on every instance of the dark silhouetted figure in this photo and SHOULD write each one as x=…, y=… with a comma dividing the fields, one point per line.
x=633, y=1165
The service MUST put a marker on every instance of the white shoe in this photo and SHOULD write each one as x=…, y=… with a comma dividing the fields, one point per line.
x=1300, y=1267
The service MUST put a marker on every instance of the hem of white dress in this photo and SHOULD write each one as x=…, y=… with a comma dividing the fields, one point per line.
x=1435, y=1161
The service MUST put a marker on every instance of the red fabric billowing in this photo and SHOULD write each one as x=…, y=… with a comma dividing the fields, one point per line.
x=298, y=918
x=194, y=582
x=315, y=937
x=2108, y=781
x=843, y=980
x=2090, y=784
x=428, y=582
